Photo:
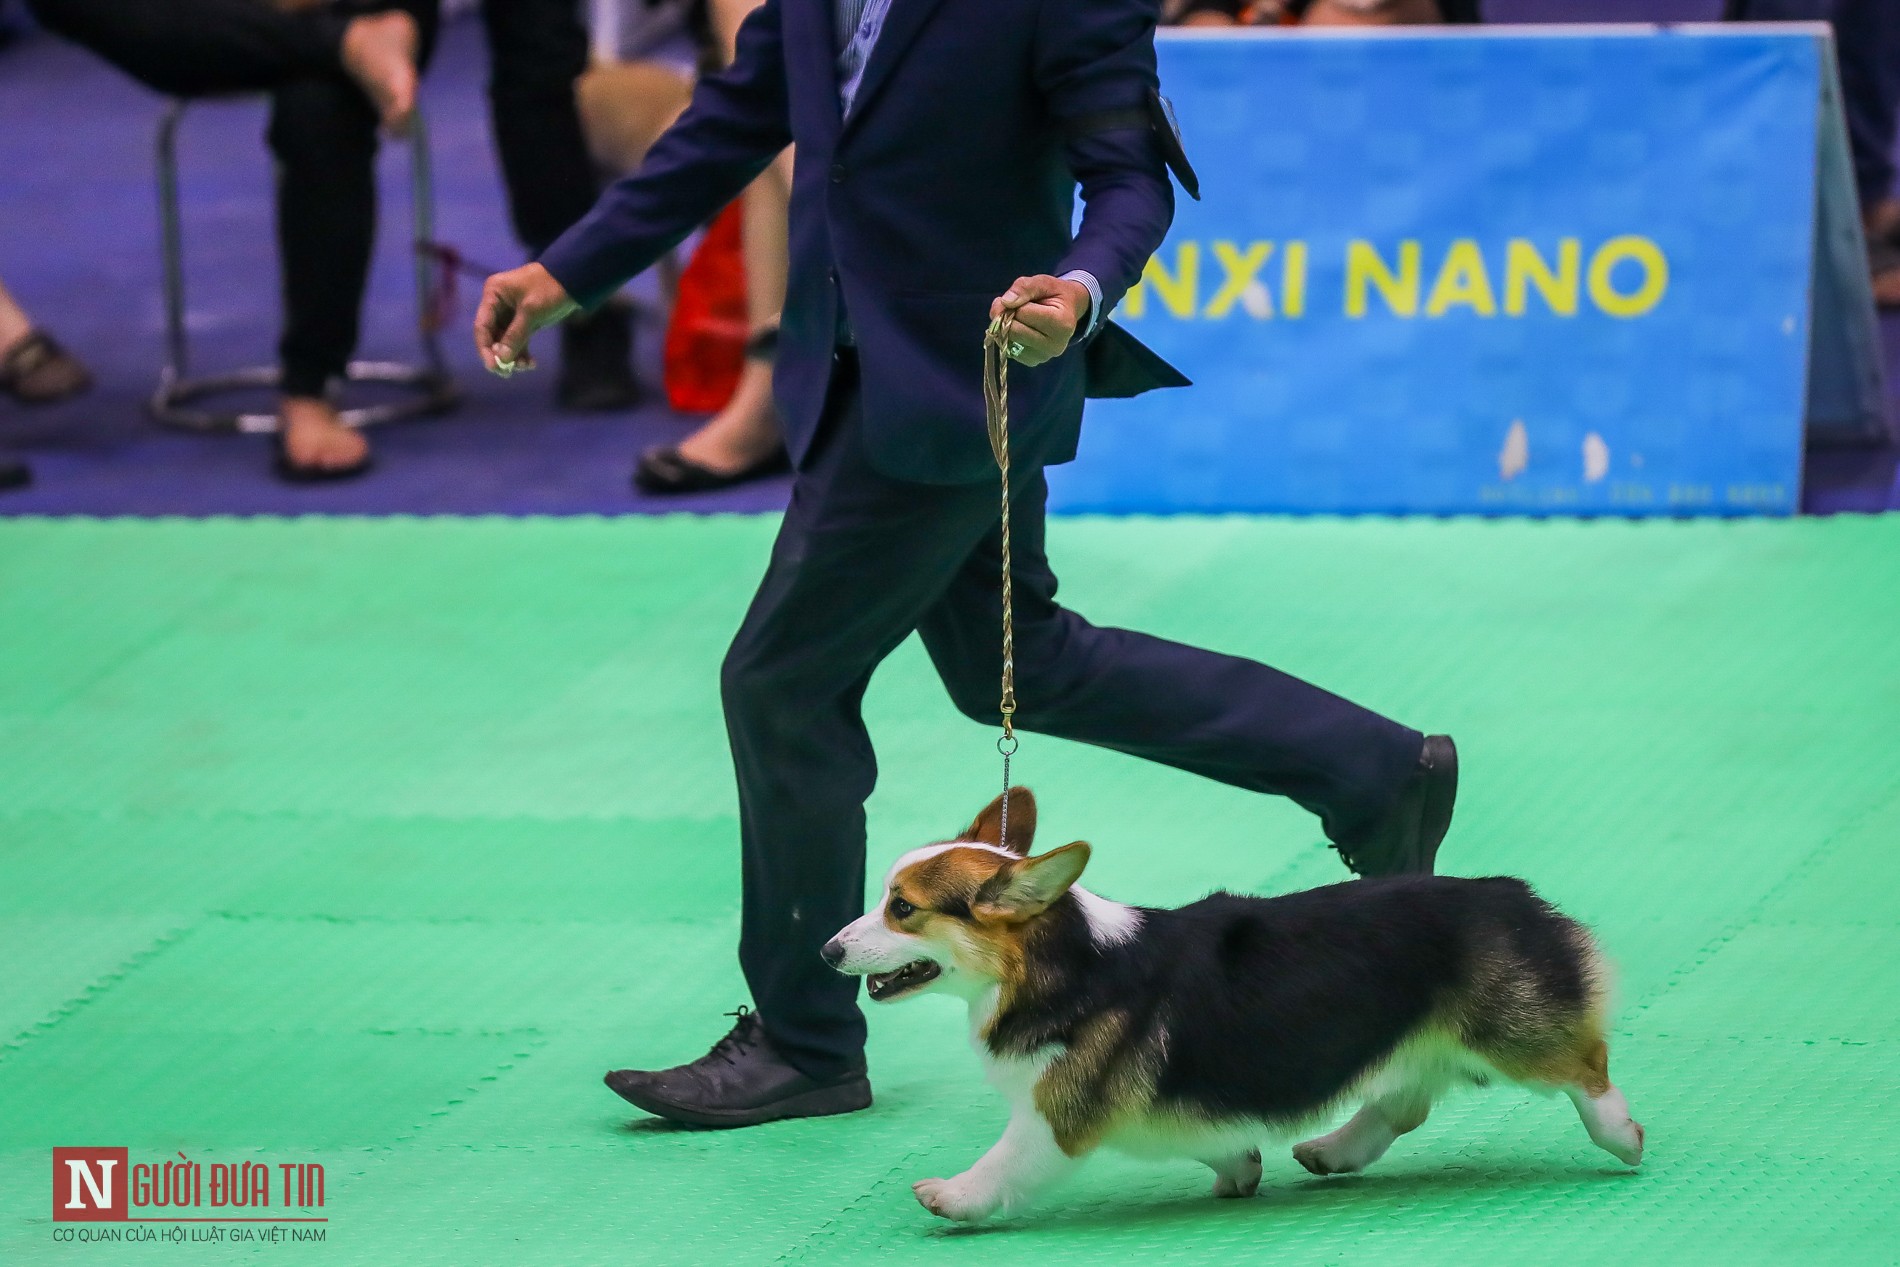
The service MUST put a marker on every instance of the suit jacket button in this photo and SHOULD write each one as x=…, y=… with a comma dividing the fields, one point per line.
x=837, y=173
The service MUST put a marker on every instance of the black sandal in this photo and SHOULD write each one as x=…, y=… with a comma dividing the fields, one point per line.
x=665, y=470
x=292, y=473
x=38, y=371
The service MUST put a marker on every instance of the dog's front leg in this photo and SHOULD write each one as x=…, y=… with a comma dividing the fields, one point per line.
x=1020, y=1165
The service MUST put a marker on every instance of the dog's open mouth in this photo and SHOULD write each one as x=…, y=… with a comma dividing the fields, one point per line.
x=885, y=986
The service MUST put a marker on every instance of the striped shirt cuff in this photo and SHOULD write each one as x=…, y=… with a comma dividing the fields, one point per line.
x=1095, y=297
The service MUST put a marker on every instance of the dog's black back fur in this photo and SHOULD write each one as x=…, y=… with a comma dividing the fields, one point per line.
x=1271, y=1007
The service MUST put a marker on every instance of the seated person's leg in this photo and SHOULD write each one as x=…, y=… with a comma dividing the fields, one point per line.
x=741, y=441
x=743, y=438
x=538, y=49
x=193, y=48
x=383, y=50
x=624, y=107
x=323, y=132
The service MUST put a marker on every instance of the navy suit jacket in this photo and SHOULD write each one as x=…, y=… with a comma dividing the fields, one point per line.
x=952, y=176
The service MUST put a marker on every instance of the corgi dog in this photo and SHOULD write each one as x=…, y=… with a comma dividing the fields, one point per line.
x=1200, y=1032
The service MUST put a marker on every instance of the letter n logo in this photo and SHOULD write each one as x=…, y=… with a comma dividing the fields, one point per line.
x=89, y=1185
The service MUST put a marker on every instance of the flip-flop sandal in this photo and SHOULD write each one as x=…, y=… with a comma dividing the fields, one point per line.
x=38, y=371
x=665, y=470
x=292, y=473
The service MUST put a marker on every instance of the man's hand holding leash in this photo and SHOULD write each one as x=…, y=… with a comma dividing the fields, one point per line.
x=515, y=304
x=1047, y=311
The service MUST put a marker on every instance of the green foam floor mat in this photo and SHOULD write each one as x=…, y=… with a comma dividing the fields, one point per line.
x=375, y=842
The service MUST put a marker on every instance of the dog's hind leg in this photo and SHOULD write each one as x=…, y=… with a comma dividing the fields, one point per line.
x=1605, y=1113
x=1367, y=1134
x=1236, y=1176
x=1580, y=1068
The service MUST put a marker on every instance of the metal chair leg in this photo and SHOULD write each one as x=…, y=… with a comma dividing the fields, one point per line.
x=171, y=243
x=422, y=229
x=428, y=386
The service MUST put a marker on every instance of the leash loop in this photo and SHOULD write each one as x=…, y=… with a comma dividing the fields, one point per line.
x=997, y=348
x=446, y=263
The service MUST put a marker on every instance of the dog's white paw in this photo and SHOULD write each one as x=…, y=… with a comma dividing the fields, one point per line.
x=954, y=1199
x=1238, y=1176
x=1625, y=1142
x=1324, y=1156
x=1607, y=1118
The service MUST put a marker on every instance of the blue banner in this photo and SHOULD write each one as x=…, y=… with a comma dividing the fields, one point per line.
x=1501, y=272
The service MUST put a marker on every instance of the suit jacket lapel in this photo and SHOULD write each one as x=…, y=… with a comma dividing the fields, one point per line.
x=901, y=25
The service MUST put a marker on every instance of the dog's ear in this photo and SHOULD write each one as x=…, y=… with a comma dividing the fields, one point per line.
x=1026, y=888
x=988, y=827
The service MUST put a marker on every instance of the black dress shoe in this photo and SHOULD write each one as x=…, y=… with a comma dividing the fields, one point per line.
x=597, y=361
x=14, y=473
x=1406, y=843
x=742, y=1081
x=664, y=469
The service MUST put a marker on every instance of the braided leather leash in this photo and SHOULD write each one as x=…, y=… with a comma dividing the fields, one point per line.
x=996, y=357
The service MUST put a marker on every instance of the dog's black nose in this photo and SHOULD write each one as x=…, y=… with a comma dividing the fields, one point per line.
x=833, y=953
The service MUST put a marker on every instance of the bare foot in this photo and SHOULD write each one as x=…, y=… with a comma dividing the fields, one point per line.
x=742, y=434
x=379, y=52
x=316, y=438
x=728, y=449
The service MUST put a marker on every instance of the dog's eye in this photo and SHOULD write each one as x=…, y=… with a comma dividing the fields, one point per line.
x=901, y=910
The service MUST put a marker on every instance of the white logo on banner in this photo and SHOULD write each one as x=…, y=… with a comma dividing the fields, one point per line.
x=1596, y=458
x=1516, y=453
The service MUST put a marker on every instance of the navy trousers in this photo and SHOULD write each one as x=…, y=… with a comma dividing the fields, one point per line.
x=860, y=562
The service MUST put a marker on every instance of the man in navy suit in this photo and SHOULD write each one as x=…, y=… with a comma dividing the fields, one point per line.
x=940, y=145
